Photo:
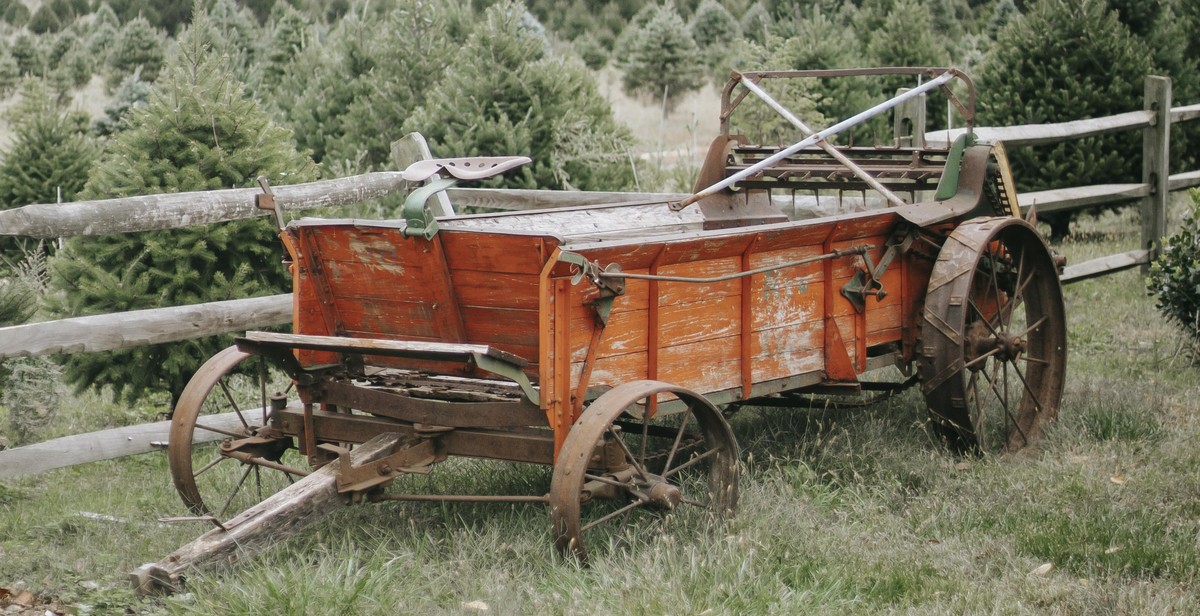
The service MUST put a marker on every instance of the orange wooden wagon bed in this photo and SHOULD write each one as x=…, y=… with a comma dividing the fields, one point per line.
x=605, y=340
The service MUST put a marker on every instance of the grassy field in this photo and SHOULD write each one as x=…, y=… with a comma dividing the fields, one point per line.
x=842, y=511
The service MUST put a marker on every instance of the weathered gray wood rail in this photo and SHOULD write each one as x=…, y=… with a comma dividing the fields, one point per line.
x=102, y=445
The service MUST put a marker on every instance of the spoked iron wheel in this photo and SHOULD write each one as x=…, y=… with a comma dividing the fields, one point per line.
x=222, y=458
x=620, y=462
x=994, y=340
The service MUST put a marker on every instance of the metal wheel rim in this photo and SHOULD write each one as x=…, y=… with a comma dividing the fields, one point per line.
x=993, y=338
x=571, y=469
x=186, y=420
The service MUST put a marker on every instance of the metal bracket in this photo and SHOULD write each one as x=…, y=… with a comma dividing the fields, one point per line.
x=869, y=281
x=419, y=218
x=509, y=371
x=266, y=201
x=610, y=286
x=356, y=480
x=948, y=185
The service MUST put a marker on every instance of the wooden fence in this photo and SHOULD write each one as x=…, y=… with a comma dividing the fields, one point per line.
x=158, y=212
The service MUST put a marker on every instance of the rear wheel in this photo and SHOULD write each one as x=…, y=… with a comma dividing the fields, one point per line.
x=224, y=457
x=993, y=338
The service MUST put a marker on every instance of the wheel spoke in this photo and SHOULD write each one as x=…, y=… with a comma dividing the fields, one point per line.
x=604, y=518
x=692, y=462
x=678, y=439
x=606, y=480
x=262, y=386
x=1032, y=327
x=981, y=358
x=1028, y=390
x=238, y=488
x=237, y=409
x=628, y=454
x=229, y=433
x=987, y=322
x=215, y=461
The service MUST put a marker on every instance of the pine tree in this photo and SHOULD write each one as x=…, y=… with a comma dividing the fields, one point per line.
x=138, y=44
x=661, y=60
x=1066, y=61
x=199, y=132
x=290, y=33
x=10, y=73
x=756, y=22
x=50, y=155
x=524, y=101
x=714, y=28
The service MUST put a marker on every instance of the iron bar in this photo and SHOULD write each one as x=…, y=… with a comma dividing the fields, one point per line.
x=812, y=139
x=856, y=250
x=459, y=498
x=823, y=144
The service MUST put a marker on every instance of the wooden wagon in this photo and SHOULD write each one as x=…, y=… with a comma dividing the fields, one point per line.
x=605, y=340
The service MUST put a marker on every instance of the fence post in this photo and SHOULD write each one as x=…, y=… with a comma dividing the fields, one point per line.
x=1156, y=161
x=909, y=125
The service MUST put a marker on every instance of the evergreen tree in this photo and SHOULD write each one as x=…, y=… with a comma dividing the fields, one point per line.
x=290, y=33
x=10, y=73
x=50, y=153
x=347, y=99
x=44, y=20
x=1066, y=61
x=138, y=44
x=198, y=132
x=524, y=101
x=756, y=22
x=132, y=93
x=16, y=14
x=714, y=28
x=661, y=60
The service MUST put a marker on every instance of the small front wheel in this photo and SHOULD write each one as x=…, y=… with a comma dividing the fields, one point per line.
x=223, y=456
x=627, y=455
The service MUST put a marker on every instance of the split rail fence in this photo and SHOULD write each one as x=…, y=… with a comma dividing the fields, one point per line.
x=159, y=212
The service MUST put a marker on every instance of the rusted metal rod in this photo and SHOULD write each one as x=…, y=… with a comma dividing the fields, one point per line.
x=856, y=250
x=812, y=139
x=823, y=144
x=459, y=498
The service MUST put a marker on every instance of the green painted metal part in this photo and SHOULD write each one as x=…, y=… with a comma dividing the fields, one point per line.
x=420, y=220
x=509, y=371
x=948, y=185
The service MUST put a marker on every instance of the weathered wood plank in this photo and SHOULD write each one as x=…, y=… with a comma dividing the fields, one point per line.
x=1105, y=265
x=1038, y=134
x=1180, y=181
x=282, y=515
x=101, y=445
x=1079, y=197
x=1185, y=113
x=123, y=330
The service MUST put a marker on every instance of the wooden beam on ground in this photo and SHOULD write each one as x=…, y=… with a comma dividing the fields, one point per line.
x=173, y=210
x=282, y=515
x=1078, y=197
x=102, y=445
x=1105, y=265
x=107, y=332
x=1039, y=134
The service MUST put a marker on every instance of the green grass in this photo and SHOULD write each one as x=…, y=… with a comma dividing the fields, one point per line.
x=842, y=511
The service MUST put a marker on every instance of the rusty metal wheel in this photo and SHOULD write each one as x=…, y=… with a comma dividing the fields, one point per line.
x=994, y=337
x=619, y=459
x=222, y=458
